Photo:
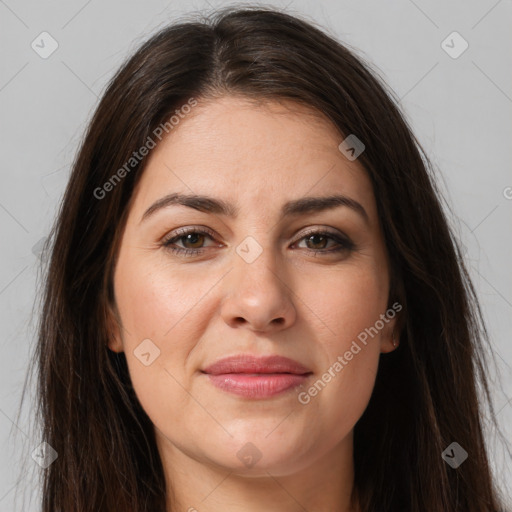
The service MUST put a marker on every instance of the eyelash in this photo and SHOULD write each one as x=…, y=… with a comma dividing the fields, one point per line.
x=345, y=244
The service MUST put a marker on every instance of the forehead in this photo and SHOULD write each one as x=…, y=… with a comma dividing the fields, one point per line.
x=250, y=153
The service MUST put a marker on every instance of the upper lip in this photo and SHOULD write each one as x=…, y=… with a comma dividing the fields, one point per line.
x=246, y=363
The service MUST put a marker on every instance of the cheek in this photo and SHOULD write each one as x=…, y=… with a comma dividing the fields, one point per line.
x=162, y=320
x=156, y=301
x=345, y=303
x=349, y=306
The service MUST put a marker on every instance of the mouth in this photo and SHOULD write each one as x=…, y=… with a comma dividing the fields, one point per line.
x=257, y=377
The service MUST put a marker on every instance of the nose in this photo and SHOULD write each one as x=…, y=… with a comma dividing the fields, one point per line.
x=257, y=295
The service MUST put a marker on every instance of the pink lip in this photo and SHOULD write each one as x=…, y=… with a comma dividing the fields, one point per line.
x=256, y=377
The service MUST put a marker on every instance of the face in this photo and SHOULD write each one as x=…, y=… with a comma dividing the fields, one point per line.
x=196, y=284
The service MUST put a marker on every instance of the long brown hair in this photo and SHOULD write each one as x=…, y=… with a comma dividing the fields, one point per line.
x=426, y=392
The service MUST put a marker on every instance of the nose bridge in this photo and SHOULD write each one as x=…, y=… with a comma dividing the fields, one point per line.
x=256, y=263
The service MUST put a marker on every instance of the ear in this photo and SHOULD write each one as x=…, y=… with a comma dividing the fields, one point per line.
x=114, y=327
x=392, y=329
x=386, y=340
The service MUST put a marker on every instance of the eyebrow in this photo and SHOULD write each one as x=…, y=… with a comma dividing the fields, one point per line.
x=292, y=208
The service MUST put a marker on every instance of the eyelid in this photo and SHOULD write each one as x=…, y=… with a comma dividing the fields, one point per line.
x=323, y=230
x=185, y=231
x=310, y=230
x=341, y=238
x=343, y=241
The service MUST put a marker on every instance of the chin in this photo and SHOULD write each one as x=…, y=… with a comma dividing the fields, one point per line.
x=258, y=455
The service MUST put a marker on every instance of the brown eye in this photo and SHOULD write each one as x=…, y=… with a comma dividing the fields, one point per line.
x=190, y=241
x=194, y=239
x=317, y=242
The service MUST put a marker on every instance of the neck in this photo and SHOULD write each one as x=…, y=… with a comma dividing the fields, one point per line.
x=202, y=486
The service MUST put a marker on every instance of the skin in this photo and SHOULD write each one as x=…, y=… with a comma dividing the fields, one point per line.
x=289, y=301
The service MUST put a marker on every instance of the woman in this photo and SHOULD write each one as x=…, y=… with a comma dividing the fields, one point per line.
x=254, y=301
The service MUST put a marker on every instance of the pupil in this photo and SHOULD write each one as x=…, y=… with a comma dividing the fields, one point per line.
x=195, y=236
x=316, y=237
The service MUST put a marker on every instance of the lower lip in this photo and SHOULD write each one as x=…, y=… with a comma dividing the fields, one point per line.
x=257, y=386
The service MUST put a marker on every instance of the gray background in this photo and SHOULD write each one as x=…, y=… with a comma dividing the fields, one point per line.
x=460, y=109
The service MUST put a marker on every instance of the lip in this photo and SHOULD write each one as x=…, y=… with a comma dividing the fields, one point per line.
x=256, y=377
